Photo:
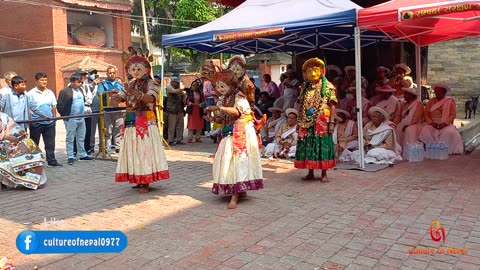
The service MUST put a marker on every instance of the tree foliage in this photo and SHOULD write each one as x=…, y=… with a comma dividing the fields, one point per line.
x=173, y=16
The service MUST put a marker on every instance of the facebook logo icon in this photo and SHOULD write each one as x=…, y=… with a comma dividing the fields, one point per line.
x=27, y=242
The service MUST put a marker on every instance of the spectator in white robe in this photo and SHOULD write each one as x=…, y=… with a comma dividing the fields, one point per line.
x=387, y=101
x=380, y=141
x=440, y=112
x=273, y=124
x=345, y=134
x=285, y=143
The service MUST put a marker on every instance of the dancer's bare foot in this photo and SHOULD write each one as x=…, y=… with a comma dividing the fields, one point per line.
x=309, y=176
x=144, y=189
x=324, y=179
x=233, y=202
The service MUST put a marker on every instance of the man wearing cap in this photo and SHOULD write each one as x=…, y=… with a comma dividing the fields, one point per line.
x=113, y=121
x=349, y=104
x=175, y=111
x=345, y=134
x=440, y=113
x=273, y=124
x=285, y=142
x=399, y=79
x=381, y=145
x=387, y=101
x=408, y=130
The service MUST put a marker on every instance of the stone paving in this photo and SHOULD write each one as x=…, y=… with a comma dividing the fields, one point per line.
x=359, y=220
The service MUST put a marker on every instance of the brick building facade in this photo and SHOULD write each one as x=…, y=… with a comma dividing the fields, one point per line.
x=42, y=38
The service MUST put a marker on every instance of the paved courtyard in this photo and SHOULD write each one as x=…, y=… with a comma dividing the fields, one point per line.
x=359, y=220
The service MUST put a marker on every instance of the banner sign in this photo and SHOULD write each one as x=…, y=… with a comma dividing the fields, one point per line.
x=438, y=10
x=249, y=34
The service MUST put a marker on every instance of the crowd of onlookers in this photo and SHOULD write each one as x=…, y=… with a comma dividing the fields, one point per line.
x=392, y=95
x=34, y=108
x=393, y=115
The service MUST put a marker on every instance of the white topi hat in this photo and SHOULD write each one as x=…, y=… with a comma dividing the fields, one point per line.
x=347, y=114
x=347, y=68
x=442, y=85
x=385, y=88
x=404, y=67
x=271, y=109
x=291, y=110
x=410, y=90
x=335, y=68
x=380, y=110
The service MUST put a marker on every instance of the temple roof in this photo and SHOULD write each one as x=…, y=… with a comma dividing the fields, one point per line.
x=86, y=64
x=123, y=5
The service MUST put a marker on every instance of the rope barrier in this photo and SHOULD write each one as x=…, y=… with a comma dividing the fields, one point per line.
x=121, y=110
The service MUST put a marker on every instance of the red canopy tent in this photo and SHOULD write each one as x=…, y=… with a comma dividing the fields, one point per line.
x=423, y=22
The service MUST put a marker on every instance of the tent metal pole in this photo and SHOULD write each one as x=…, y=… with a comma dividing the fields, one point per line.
x=358, y=87
x=418, y=70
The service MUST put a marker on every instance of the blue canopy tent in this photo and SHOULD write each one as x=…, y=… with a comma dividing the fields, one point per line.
x=265, y=26
x=261, y=26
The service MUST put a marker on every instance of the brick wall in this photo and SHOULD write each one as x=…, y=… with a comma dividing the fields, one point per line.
x=25, y=26
x=41, y=32
x=456, y=63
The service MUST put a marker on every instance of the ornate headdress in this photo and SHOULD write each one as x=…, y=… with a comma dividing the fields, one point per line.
x=227, y=76
x=313, y=62
x=209, y=69
x=239, y=59
x=137, y=56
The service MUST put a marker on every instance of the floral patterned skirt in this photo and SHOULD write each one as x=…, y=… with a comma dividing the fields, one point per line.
x=315, y=151
x=22, y=164
x=141, y=159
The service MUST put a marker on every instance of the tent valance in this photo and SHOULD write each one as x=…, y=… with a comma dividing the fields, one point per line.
x=305, y=25
x=423, y=22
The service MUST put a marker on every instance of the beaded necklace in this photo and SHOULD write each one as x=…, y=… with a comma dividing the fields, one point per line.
x=313, y=96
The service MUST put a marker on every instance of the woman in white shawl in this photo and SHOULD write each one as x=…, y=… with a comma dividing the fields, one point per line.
x=380, y=140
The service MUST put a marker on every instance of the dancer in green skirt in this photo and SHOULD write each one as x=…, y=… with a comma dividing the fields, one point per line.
x=315, y=150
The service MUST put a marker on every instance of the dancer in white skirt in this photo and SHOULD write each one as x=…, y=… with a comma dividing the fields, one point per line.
x=141, y=159
x=237, y=166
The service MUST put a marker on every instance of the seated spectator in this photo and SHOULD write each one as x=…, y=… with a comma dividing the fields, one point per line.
x=345, y=134
x=349, y=104
x=409, y=128
x=21, y=161
x=388, y=102
x=273, y=125
x=380, y=141
x=264, y=103
x=291, y=90
x=271, y=88
x=439, y=115
x=284, y=145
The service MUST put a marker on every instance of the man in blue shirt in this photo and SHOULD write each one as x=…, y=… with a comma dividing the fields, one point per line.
x=46, y=102
x=71, y=101
x=17, y=104
x=113, y=121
